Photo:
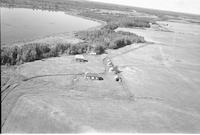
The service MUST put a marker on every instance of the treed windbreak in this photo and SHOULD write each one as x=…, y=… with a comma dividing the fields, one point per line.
x=97, y=41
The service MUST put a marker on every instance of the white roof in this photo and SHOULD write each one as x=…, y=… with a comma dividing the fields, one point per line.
x=79, y=57
x=93, y=53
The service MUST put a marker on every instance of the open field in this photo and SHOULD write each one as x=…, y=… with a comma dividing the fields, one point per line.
x=163, y=77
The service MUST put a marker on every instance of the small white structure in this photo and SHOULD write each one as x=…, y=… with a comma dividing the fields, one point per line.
x=111, y=69
x=110, y=64
x=93, y=53
x=80, y=58
x=108, y=60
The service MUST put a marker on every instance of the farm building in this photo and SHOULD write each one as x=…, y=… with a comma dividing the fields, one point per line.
x=80, y=58
x=93, y=53
x=93, y=76
x=111, y=69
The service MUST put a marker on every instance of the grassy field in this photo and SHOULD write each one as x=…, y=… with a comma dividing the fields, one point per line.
x=165, y=70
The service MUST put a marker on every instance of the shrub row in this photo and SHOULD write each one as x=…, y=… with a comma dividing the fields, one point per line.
x=134, y=22
x=114, y=21
x=97, y=40
x=109, y=38
x=36, y=51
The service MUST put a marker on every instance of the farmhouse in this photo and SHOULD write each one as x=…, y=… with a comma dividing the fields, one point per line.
x=80, y=58
x=93, y=53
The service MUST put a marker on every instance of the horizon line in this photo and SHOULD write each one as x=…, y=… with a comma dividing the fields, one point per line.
x=183, y=12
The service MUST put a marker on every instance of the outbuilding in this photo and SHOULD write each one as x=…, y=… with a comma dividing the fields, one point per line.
x=80, y=58
x=111, y=69
x=93, y=53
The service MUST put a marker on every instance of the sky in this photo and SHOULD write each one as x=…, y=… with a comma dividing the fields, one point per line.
x=185, y=6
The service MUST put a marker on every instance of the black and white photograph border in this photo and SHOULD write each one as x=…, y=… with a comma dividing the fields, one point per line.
x=100, y=66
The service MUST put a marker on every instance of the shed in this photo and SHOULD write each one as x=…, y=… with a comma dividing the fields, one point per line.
x=93, y=53
x=80, y=58
x=110, y=69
